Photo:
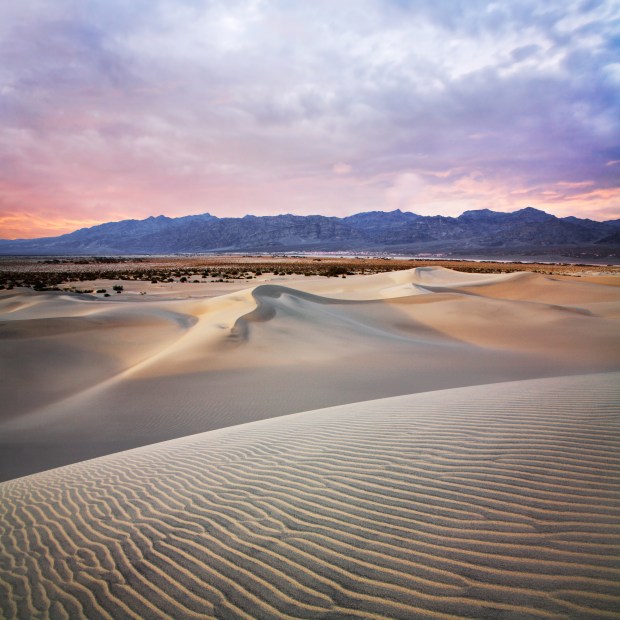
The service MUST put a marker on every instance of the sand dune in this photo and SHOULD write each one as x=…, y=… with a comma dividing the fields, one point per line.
x=82, y=377
x=495, y=501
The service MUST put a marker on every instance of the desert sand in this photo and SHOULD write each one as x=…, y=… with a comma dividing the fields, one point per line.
x=422, y=443
x=83, y=376
x=494, y=501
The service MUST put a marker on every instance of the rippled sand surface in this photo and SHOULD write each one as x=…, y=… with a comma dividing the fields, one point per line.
x=495, y=501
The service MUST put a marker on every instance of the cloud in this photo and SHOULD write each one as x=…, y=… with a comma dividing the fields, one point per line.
x=524, y=52
x=341, y=168
x=175, y=107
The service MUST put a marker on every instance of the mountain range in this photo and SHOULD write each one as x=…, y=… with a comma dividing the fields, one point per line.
x=526, y=232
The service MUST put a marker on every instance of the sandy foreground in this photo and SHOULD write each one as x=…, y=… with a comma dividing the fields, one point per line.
x=483, y=483
x=495, y=501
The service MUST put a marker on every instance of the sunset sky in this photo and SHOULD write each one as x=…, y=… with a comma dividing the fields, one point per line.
x=116, y=109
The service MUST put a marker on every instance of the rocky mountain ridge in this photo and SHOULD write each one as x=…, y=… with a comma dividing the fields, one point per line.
x=482, y=232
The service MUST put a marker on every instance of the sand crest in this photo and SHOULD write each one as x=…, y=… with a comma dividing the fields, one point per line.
x=82, y=377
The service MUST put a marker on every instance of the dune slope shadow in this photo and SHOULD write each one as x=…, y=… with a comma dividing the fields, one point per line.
x=293, y=352
x=190, y=366
x=364, y=319
x=499, y=501
x=44, y=359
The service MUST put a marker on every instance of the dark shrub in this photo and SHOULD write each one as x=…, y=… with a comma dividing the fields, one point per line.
x=335, y=270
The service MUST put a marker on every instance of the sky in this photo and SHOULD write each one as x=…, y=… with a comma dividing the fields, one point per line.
x=117, y=109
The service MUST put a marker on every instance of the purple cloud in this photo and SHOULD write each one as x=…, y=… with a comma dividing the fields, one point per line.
x=110, y=109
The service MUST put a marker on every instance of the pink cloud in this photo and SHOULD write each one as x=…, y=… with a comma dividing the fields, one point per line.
x=262, y=108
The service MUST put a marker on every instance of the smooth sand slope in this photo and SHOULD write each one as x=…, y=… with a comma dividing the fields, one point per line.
x=499, y=501
x=82, y=377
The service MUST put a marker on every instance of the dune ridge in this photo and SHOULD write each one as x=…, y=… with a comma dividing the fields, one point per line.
x=83, y=377
x=492, y=501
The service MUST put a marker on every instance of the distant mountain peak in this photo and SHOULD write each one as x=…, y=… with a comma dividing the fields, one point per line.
x=531, y=211
x=481, y=213
x=396, y=213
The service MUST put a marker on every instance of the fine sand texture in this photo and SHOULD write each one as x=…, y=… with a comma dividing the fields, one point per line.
x=490, y=501
x=82, y=376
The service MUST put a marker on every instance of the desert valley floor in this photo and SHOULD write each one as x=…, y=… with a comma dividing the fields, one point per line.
x=416, y=444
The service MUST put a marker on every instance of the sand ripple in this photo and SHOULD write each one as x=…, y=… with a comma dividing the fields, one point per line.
x=499, y=501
